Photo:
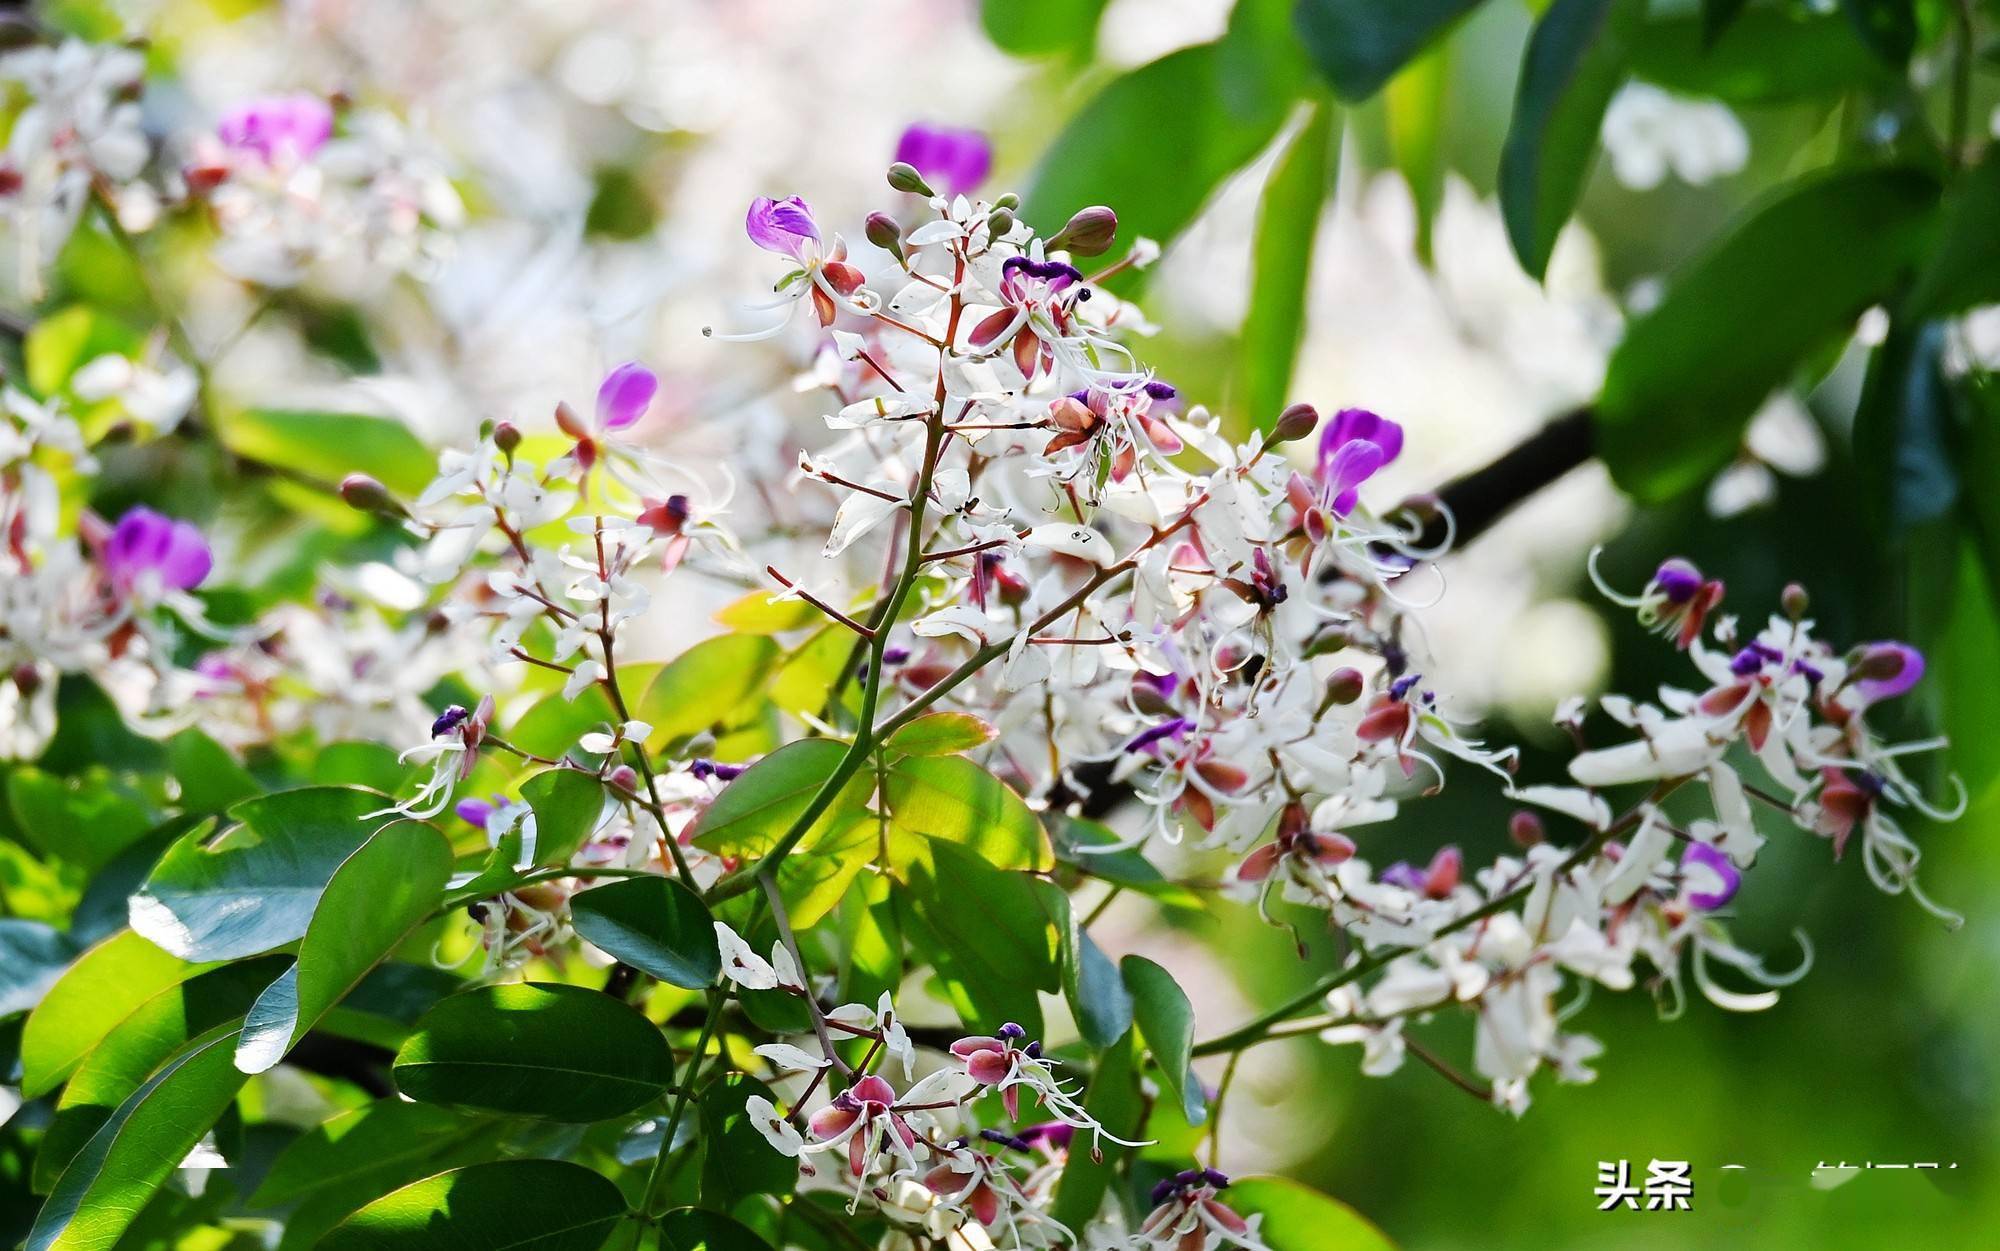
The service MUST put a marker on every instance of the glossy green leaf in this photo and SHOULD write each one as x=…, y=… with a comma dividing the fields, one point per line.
x=827, y=865
x=85, y=820
x=756, y=809
x=329, y=446
x=1964, y=268
x=210, y=778
x=1280, y=262
x=509, y=1205
x=1905, y=430
x=552, y=726
x=1769, y=55
x=101, y=989
x=994, y=944
x=952, y=799
x=359, y=1142
x=1298, y=1218
x=127, y=1160
x=1040, y=27
x=1165, y=1019
x=1413, y=113
x=1737, y=322
x=1359, y=45
x=1114, y=1100
x=254, y=887
x=737, y=1160
x=941, y=734
x=656, y=925
x=705, y=685
x=568, y=804
x=562, y=1053
x=1096, y=993
x=1575, y=61
x=382, y=893
x=32, y=956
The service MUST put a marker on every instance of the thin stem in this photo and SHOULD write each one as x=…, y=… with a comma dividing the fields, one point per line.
x=791, y=941
x=656, y=1181
x=865, y=632
x=1482, y=1093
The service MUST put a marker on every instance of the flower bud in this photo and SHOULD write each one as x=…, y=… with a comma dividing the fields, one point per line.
x=1328, y=638
x=1088, y=233
x=625, y=777
x=507, y=437
x=903, y=176
x=365, y=494
x=1525, y=828
x=884, y=233
x=1295, y=423
x=1007, y=200
x=999, y=222
x=1345, y=685
x=1795, y=601
x=27, y=679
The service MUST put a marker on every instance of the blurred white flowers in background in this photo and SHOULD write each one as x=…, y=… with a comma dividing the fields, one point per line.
x=1650, y=133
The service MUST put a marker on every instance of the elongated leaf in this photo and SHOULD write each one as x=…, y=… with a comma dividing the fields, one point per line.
x=1297, y=1218
x=827, y=865
x=949, y=798
x=1739, y=321
x=568, y=804
x=1165, y=1019
x=256, y=886
x=1904, y=430
x=732, y=1166
x=32, y=956
x=1358, y=45
x=705, y=684
x=1096, y=994
x=376, y=898
x=1280, y=262
x=1964, y=267
x=332, y=445
x=1413, y=107
x=994, y=946
x=756, y=809
x=941, y=734
x=1769, y=55
x=358, y=1142
x=1114, y=1101
x=655, y=925
x=145, y=1140
x=562, y=1053
x=1576, y=58
x=95, y=994
x=509, y=1205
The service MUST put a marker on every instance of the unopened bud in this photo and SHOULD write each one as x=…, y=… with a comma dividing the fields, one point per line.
x=1328, y=639
x=506, y=437
x=365, y=494
x=999, y=222
x=903, y=176
x=1088, y=233
x=884, y=233
x=1795, y=601
x=1295, y=423
x=1345, y=685
x=1525, y=828
x=27, y=679
x=625, y=778
x=1880, y=664
x=1007, y=200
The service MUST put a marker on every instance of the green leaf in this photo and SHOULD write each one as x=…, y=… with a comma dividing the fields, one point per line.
x=758, y=613
x=1738, y=322
x=1576, y=58
x=1114, y=1100
x=1281, y=260
x=1156, y=142
x=359, y=1142
x=210, y=778
x=655, y=925
x=1718, y=16
x=63, y=342
x=568, y=804
x=329, y=446
x=737, y=1161
x=1096, y=994
x=705, y=685
x=1964, y=266
x=382, y=893
x=32, y=956
x=97, y=992
x=1888, y=27
x=1165, y=1019
x=123, y=1165
x=1413, y=109
x=509, y=1205
x=84, y=820
x=994, y=946
x=138, y=1046
x=949, y=798
x=756, y=809
x=1298, y=1218
x=1769, y=55
x=1358, y=45
x=562, y=1053
x=941, y=734
x=255, y=887
x=1040, y=27
x=1904, y=430
x=1127, y=866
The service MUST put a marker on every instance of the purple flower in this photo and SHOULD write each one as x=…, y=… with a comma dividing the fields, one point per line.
x=474, y=812
x=783, y=226
x=1886, y=670
x=1023, y=281
x=956, y=157
x=1710, y=868
x=294, y=127
x=146, y=544
x=625, y=395
x=1354, y=445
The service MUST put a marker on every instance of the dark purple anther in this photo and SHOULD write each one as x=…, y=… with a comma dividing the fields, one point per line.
x=1166, y=729
x=1678, y=580
x=448, y=720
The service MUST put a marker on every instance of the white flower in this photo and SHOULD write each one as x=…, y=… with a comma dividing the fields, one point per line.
x=740, y=964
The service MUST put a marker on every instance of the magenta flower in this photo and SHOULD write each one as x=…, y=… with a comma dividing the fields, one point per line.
x=955, y=157
x=291, y=127
x=1354, y=445
x=147, y=546
x=783, y=226
x=1886, y=670
x=1711, y=880
x=625, y=395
